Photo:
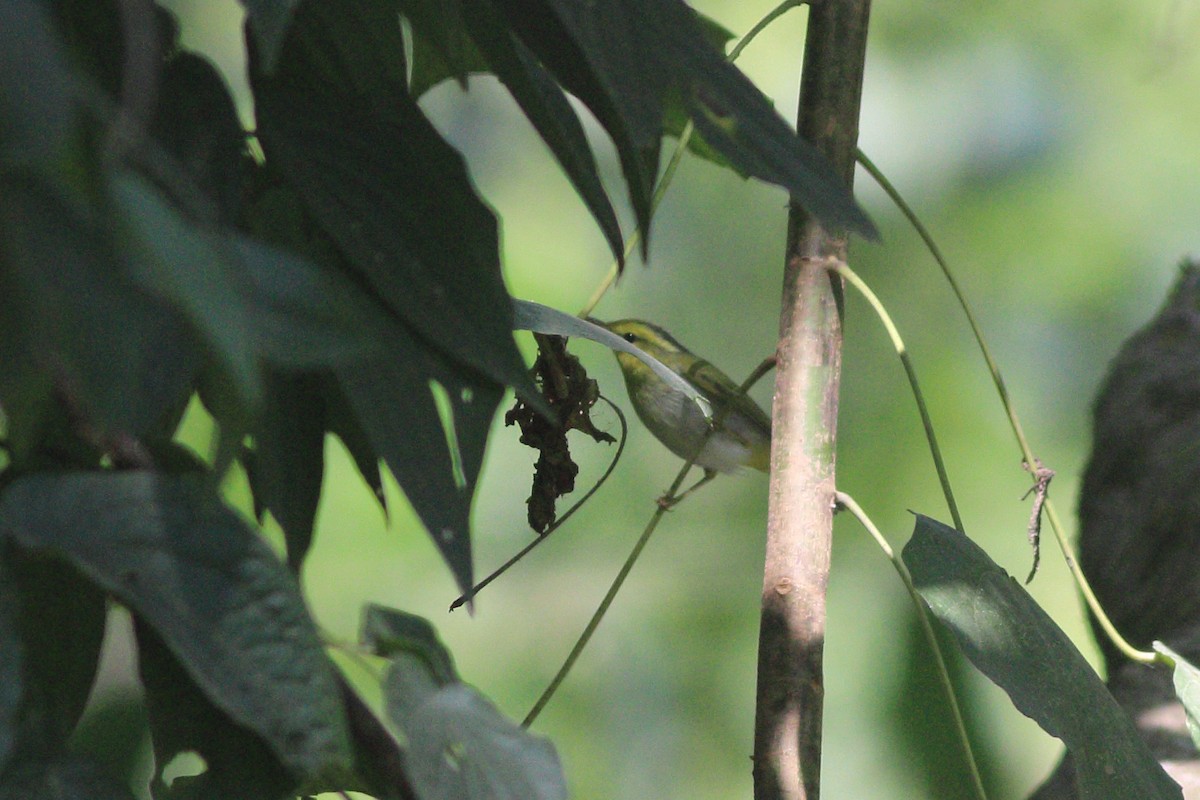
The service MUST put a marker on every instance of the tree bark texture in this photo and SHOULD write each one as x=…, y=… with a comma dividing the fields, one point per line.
x=788, y=723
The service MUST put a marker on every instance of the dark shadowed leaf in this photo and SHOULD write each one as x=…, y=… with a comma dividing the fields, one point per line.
x=448, y=43
x=441, y=47
x=626, y=59
x=395, y=198
x=73, y=319
x=289, y=444
x=379, y=759
x=547, y=108
x=37, y=103
x=196, y=122
x=237, y=763
x=1010, y=639
x=393, y=402
x=12, y=660
x=60, y=622
x=229, y=612
x=341, y=421
x=66, y=777
x=268, y=21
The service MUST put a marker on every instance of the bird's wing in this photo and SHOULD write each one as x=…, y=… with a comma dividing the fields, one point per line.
x=716, y=385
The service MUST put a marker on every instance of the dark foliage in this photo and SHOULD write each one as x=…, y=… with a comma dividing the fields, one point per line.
x=336, y=273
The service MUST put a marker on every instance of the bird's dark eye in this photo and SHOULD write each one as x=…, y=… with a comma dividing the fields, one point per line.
x=629, y=337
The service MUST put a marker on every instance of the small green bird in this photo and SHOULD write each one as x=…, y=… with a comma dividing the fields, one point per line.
x=744, y=439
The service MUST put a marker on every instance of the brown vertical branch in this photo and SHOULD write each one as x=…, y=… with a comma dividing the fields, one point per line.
x=787, y=730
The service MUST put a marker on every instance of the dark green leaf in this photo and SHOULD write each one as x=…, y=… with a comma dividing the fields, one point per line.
x=1187, y=689
x=114, y=732
x=196, y=122
x=460, y=746
x=60, y=620
x=72, y=319
x=340, y=420
x=547, y=108
x=1012, y=641
x=224, y=605
x=237, y=763
x=290, y=448
x=62, y=778
x=189, y=268
x=12, y=661
x=268, y=21
x=378, y=757
x=676, y=113
x=394, y=404
x=396, y=199
x=625, y=59
x=37, y=103
x=450, y=44
x=441, y=47
x=388, y=632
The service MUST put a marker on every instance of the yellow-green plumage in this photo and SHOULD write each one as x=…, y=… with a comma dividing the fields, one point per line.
x=675, y=419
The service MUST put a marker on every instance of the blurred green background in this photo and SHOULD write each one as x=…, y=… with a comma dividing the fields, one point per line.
x=1051, y=148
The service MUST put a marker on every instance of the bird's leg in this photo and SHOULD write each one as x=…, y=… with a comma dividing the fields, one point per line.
x=668, y=502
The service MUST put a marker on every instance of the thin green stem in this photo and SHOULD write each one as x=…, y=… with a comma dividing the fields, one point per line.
x=1056, y=525
x=902, y=351
x=847, y=502
x=681, y=144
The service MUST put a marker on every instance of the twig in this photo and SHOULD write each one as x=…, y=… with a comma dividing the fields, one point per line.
x=558, y=523
x=894, y=334
x=1060, y=535
x=1042, y=476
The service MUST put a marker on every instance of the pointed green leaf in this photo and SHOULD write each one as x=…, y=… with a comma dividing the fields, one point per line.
x=341, y=421
x=237, y=762
x=393, y=402
x=397, y=200
x=625, y=59
x=60, y=621
x=448, y=43
x=1010, y=639
x=548, y=110
x=289, y=444
x=196, y=121
x=442, y=48
x=268, y=21
x=230, y=613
